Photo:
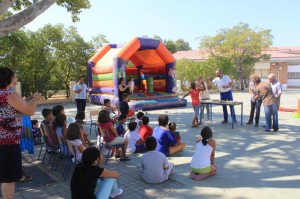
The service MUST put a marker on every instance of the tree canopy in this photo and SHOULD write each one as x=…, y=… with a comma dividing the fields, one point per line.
x=47, y=59
x=240, y=45
x=28, y=10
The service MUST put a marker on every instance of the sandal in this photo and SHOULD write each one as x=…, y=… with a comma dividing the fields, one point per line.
x=117, y=156
x=25, y=178
x=125, y=159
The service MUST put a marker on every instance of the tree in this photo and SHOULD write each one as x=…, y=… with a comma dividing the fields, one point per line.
x=99, y=41
x=182, y=45
x=30, y=9
x=46, y=59
x=241, y=45
x=170, y=45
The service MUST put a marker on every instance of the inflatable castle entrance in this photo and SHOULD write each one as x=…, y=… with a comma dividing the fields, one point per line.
x=151, y=65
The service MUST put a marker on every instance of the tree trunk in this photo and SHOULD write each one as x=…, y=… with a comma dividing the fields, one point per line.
x=24, y=17
x=241, y=77
x=4, y=5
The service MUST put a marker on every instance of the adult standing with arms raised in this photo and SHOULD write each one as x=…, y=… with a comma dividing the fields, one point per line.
x=224, y=84
x=12, y=106
x=264, y=90
x=80, y=89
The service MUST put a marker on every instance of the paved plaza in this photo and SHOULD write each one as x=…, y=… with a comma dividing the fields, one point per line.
x=250, y=162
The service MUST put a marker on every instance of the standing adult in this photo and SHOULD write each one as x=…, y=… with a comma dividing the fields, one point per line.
x=80, y=89
x=12, y=106
x=123, y=88
x=276, y=87
x=255, y=105
x=224, y=84
x=264, y=90
x=204, y=95
x=166, y=143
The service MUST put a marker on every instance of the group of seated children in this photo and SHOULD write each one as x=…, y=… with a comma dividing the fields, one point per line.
x=56, y=121
x=157, y=169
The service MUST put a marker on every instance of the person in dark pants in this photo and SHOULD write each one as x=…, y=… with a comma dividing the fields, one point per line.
x=224, y=84
x=255, y=106
x=80, y=89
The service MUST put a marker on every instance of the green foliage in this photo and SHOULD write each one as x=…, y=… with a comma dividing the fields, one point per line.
x=171, y=46
x=241, y=45
x=187, y=70
x=73, y=6
x=46, y=59
x=182, y=45
x=98, y=41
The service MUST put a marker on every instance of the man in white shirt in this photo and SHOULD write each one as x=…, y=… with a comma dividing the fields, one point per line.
x=224, y=84
x=276, y=87
x=80, y=97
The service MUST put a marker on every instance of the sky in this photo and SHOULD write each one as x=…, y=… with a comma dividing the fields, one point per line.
x=122, y=20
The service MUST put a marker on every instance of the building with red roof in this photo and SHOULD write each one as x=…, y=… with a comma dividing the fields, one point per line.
x=284, y=62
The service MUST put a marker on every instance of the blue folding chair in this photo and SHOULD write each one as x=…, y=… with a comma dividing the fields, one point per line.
x=64, y=151
x=71, y=159
x=52, y=149
x=93, y=121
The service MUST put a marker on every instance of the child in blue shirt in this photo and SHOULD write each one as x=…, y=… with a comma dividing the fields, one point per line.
x=120, y=126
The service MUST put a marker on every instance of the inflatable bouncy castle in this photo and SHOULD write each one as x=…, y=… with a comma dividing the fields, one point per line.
x=145, y=60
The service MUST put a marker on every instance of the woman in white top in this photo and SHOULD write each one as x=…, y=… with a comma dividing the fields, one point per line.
x=204, y=95
x=203, y=161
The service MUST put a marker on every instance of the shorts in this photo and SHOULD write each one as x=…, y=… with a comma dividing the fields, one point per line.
x=139, y=148
x=116, y=141
x=201, y=170
x=10, y=163
x=196, y=110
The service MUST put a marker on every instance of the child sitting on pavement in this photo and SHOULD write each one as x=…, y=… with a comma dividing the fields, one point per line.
x=86, y=178
x=145, y=130
x=135, y=143
x=203, y=161
x=120, y=126
x=138, y=120
x=155, y=166
x=175, y=134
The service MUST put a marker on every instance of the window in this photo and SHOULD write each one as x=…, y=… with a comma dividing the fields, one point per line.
x=263, y=73
x=294, y=75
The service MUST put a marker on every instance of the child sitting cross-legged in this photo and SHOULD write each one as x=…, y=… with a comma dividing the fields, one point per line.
x=175, y=134
x=155, y=166
x=89, y=177
x=138, y=120
x=203, y=161
x=145, y=130
x=135, y=143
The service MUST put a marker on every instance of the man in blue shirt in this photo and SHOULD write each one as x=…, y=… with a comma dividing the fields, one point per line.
x=165, y=141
